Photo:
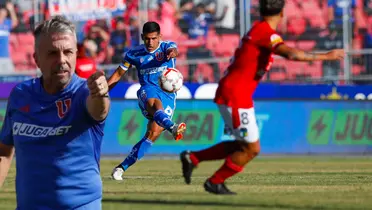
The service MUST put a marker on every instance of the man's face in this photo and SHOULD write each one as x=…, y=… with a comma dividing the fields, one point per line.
x=200, y=10
x=92, y=34
x=151, y=40
x=120, y=26
x=3, y=13
x=56, y=58
x=134, y=23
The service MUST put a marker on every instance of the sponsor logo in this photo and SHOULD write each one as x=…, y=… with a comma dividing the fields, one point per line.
x=30, y=130
x=347, y=127
x=153, y=70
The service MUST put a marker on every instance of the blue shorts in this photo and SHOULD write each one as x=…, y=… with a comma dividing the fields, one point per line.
x=167, y=99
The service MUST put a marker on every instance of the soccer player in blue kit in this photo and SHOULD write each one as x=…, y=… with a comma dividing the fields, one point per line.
x=55, y=126
x=150, y=60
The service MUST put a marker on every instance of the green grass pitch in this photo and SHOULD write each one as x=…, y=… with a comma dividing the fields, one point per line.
x=266, y=183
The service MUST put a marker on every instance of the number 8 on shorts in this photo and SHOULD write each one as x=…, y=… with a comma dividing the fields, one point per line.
x=247, y=129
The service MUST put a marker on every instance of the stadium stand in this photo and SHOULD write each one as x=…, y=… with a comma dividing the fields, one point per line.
x=306, y=25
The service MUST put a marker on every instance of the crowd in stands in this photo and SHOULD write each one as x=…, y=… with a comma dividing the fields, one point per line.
x=203, y=29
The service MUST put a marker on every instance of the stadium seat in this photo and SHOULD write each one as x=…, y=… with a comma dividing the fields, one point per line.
x=277, y=76
x=182, y=67
x=205, y=71
x=255, y=2
x=295, y=68
x=357, y=70
x=291, y=43
x=291, y=9
x=306, y=45
x=230, y=43
x=21, y=50
x=278, y=65
x=213, y=41
x=13, y=39
x=27, y=49
x=296, y=25
x=223, y=67
x=25, y=39
x=19, y=57
x=314, y=69
x=312, y=12
x=12, y=48
x=360, y=16
x=152, y=15
x=184, y=71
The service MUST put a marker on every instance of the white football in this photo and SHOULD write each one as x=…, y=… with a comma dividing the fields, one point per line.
x=171, y=80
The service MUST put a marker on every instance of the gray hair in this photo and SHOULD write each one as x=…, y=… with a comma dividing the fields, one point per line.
x=57, y=24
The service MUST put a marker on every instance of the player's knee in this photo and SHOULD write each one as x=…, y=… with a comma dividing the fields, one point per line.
x=255, y=148
x=255, y=151
x=152, y=105
x=251, y=149
x=150, y=108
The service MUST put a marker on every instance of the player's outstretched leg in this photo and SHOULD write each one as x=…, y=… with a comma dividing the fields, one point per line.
x=190, y=160
x=236, y=154
x=159, y=121
x=138, y=151
x=155, y=109
x=234, y=164
x=162, y=119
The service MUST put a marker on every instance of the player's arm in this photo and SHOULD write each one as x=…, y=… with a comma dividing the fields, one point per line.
x=6, y=157
x=98, y=101
x=12, y=13
x=295, y=54
x=115, y=77
x=120, y=70
x=172, y=50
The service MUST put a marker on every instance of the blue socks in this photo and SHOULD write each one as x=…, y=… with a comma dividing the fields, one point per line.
x=138, y=151
x=163, y=120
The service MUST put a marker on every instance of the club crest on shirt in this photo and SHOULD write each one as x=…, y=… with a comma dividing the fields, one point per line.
x=63, y=107
x=159, y=56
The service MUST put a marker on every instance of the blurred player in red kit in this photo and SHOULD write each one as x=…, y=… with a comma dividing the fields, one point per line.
x=252, y=59
x=85, y=66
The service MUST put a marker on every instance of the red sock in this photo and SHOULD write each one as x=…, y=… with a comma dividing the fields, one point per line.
x=228, y=169
x=216, y=152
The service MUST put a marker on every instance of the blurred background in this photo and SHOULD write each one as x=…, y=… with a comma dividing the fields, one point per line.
x=329, y=102
x=320, y=109
x=206, y=31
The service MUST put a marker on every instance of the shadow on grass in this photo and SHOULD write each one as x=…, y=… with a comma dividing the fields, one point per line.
x=203, y=203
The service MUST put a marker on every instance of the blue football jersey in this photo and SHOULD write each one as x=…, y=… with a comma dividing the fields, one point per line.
x=149, y=64
x=57, y=146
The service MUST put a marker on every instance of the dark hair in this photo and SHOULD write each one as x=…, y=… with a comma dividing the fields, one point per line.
x=120, y=19
x=200, y=5
x=150, y=27
x=271, y=7
x=80, y=46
